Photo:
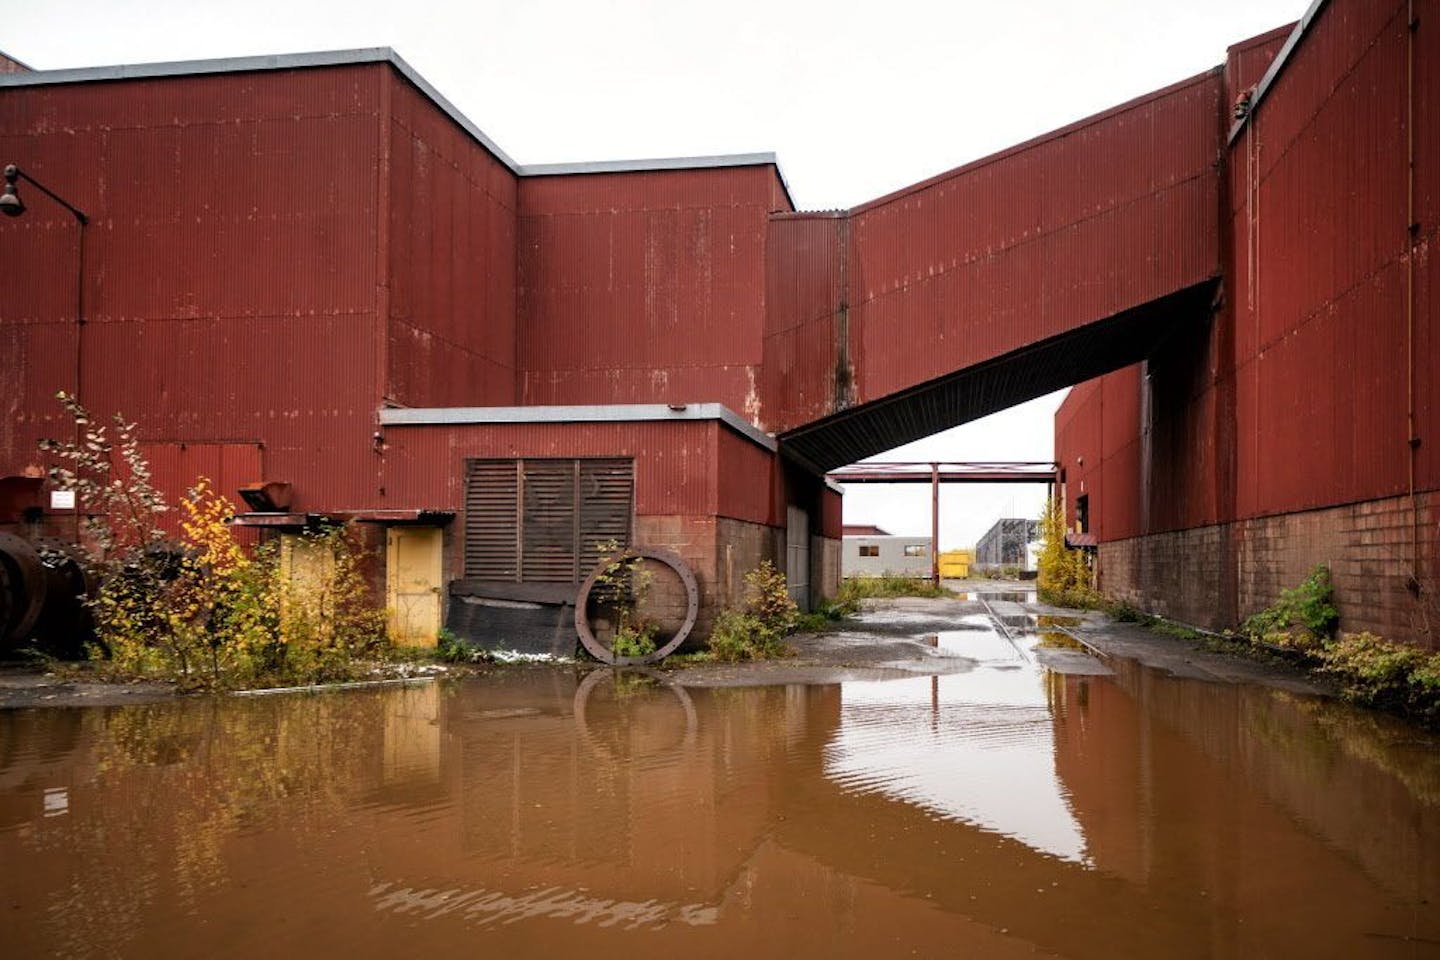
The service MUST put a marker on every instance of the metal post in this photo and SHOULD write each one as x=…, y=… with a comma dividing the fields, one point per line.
x=935, y=523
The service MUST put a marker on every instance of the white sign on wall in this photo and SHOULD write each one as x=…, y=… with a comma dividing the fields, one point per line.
x=62, y=499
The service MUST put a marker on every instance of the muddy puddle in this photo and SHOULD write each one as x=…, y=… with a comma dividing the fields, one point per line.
x=1089, y=810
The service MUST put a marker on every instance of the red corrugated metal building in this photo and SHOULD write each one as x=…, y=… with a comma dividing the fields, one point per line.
x=1298, y=427
x=315, y=270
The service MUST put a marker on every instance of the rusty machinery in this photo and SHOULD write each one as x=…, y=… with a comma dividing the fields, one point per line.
x=42, y=587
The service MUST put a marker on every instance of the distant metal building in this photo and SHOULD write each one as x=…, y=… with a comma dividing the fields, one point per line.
x=1005, y=543
x=872, y=556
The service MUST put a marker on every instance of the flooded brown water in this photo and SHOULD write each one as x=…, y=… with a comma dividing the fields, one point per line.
x=1006, y=810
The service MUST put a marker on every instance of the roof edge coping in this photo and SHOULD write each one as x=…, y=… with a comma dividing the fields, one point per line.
x=601, y=413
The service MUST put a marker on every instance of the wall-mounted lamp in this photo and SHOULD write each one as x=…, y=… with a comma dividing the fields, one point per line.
x=12, y=205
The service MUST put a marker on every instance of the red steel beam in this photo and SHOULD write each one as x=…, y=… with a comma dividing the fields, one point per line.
x=963, y=472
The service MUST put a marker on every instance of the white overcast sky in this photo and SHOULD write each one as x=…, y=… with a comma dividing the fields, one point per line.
x=856, y=99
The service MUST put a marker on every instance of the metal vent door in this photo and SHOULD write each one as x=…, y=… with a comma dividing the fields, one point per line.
x=607, y=494
x=492, y=520
x=550, y=522
x=797, y=556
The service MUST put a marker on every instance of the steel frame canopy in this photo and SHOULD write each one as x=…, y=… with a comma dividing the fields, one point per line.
x=938, y=472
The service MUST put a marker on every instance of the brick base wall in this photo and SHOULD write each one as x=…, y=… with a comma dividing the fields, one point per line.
x=1216, y=576
x=719, y=550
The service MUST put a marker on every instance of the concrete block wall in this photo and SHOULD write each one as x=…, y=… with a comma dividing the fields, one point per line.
x=719, y=550
x=825, y=553
x=1216, y=576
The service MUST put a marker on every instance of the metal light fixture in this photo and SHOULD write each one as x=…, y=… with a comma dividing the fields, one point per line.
x=13, y=205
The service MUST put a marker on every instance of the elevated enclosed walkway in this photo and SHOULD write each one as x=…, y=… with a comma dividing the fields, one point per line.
x=1039, y=267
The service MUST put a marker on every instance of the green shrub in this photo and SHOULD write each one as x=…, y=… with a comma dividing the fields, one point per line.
x=1370, y=669
x=623, y=586
x=887, y=585
x=1125, y=613
x=768, y=599
x=756, y=632
x=738, y=636
x=827, y=612
x=1302, y=619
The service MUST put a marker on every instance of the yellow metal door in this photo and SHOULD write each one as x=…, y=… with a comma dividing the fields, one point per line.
x=412, y=584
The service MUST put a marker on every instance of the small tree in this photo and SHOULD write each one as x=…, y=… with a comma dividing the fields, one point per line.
x=1063, y=576
x=200, y=607
x=758, y=631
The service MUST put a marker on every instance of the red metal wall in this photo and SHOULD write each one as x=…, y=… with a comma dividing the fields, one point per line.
x=677, y=464
x=230, y=277
x=804, y=293
x=1296, y=396
x=1071, y=228
x=644, y=287
x=448, y=239
x=1318, y=181
x=745, y=477
x=1074, y=227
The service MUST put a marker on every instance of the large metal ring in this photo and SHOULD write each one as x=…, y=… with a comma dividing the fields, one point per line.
x=692, y=608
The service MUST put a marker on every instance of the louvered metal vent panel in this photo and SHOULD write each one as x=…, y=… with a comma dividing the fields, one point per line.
x=491, y=520
x=544, y=521
x=549, y=522
x=607, y=493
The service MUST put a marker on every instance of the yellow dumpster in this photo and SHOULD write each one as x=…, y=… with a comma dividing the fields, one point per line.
x=955, y=564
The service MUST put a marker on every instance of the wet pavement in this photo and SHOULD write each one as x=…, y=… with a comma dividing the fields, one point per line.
x=976, y=777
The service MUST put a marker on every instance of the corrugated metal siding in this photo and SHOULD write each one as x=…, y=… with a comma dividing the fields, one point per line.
x=451, y=261
x=804, y=290
x=832, y=508
x=1072, y=229
x=230, y=266
x=1247, y=61
x=745, y=480
x=643, y=287
x=1078, y=437
x=1020, y=256
x=1296, y=396
x=1321, y=339
x=674, y=462
x=176, y=467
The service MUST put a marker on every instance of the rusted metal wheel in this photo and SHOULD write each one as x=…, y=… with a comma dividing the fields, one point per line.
x=692, y=607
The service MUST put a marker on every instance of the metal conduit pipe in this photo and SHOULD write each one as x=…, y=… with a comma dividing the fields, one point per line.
x=1412, y=234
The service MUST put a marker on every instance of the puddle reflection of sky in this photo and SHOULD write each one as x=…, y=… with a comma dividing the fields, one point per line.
x=977, y=747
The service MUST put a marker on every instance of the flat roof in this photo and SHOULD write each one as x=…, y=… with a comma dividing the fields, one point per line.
x=335, y=58
x=599, y=413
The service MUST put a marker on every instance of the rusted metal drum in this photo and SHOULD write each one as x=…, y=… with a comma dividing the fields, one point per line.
x=22, y=590
x=65, y=624
x=692, y=607
x=42, y=587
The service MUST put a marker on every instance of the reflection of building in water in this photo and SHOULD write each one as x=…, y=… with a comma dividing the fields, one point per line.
x=412, y=734
x=1233, y=785
x=761, y=821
